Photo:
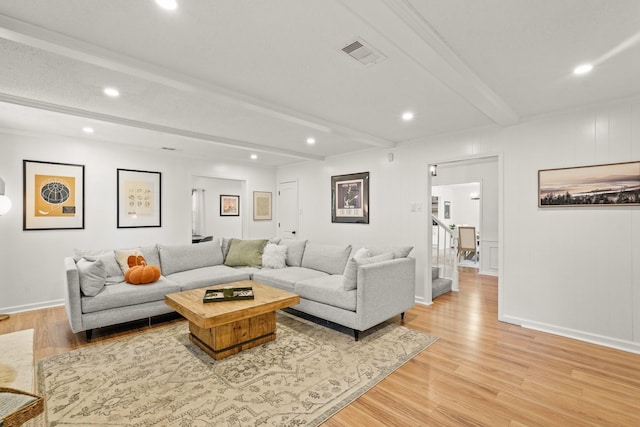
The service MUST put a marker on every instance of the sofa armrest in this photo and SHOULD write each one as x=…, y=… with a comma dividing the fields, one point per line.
x=72, y=302
x=384, y=290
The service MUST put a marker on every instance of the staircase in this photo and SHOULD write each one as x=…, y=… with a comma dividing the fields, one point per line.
x=444, y=263
x=439, y=285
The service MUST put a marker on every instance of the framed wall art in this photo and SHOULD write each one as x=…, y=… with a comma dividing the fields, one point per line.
x=614, y=184
x=261, y=205
x=139, y=199
x=350, y=198
x=229, y=205
x=53, y=196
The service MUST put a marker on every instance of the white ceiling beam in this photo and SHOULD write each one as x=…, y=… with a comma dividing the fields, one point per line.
x=410, y=28
x=41, y=38
x=219, y=140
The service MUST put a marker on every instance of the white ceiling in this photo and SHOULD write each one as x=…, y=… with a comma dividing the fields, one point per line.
x=227, y=78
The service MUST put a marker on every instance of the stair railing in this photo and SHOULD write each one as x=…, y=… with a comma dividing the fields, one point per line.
x=445, y=253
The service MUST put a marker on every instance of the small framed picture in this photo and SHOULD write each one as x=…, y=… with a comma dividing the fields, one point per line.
x=350, y=198
x=139, y=199
x=53, y=196
x=229, y=205
x=261, y=205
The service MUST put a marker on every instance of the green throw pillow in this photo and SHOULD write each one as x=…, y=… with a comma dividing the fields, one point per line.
x=245, y=253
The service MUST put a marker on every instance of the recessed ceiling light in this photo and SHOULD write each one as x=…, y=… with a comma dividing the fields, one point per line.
x=407, y=116
x=167, y=4
x=111, y=91
x=311, y=141
x=87, y=129
x=254, y=156
x=582, y=69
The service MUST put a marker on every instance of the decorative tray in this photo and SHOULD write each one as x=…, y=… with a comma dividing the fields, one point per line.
x=227, y=294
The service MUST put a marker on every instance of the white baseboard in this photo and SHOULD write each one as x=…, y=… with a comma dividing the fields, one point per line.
x=421, y=301
x=630, y=346
x=29, y=307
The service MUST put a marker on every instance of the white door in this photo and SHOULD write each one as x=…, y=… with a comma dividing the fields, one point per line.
x=288, y=209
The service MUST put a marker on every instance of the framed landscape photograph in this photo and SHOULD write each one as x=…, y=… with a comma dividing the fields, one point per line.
x=139, y=199
x=261, y=205
x=53, y=196
x=229, y=205
x=614, y=184
x=350, y=198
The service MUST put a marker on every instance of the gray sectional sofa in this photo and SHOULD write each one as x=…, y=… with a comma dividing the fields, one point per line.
x=354, y=287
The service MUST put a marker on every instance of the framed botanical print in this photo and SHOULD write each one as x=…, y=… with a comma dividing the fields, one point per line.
x=53, y=195
x=139, y=199
x=261, y=205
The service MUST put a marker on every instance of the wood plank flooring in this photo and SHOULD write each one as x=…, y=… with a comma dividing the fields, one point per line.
x=481, y=372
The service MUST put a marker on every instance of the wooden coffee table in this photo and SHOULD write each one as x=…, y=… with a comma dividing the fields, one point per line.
x=228, y=327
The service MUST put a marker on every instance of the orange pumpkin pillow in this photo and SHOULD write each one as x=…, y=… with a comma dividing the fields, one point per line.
x=139, y=273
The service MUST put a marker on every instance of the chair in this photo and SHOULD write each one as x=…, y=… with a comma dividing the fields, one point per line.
x=467, y=242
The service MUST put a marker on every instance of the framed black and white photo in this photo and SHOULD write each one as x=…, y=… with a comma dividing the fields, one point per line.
x=53, y=196
x=229, y=205
x=261, y=205
x=350, y=198
x=139, y=199
x=614, y=184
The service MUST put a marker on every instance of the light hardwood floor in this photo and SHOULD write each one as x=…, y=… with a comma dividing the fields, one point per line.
x=479, y=373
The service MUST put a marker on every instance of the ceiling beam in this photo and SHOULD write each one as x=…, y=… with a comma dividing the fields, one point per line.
x=219, y=140
x=410, y=28
x=42, y=38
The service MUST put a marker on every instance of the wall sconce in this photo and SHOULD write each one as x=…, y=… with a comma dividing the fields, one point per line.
x=5, y=202
x=434, y=170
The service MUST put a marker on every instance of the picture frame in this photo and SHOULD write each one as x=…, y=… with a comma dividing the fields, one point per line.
x=605, y=185
x=53, y=196
x=139, y=198
x=350, y=198
x=262, y=206
x=229, y=205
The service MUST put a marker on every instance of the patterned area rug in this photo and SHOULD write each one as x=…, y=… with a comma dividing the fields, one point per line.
x=305, y=376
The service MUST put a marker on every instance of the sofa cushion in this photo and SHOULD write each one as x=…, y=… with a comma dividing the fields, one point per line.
x=398, y=251
x=187, y=257
x=108, y=257
x=92, y=276
x=350, y=277
x=245, y=252
x=295, y=250
x=125, y=294
x=207, y=276
x=327, y=290
x=150, y=254
x=286, y=278
x=328, y=258
x=274, y=256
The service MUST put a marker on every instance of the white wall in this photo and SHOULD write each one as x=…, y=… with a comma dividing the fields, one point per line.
x=31, y=264
x=571, y=271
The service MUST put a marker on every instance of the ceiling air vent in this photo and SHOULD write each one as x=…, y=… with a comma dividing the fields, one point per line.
x=363, y=53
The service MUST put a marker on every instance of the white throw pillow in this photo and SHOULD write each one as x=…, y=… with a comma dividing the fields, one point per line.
x=92, y=275
x=274, y=256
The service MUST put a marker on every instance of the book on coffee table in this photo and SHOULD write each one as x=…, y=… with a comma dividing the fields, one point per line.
x=227, y=294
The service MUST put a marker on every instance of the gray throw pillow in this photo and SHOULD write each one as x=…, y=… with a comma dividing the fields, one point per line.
x=114, y=272
x=92, y=275
x=353, y=284
x=295, y=250
x=328, y=258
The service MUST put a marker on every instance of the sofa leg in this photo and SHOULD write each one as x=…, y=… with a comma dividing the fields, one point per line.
x=356, y=334
x=89, y=332
x=402, y=316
